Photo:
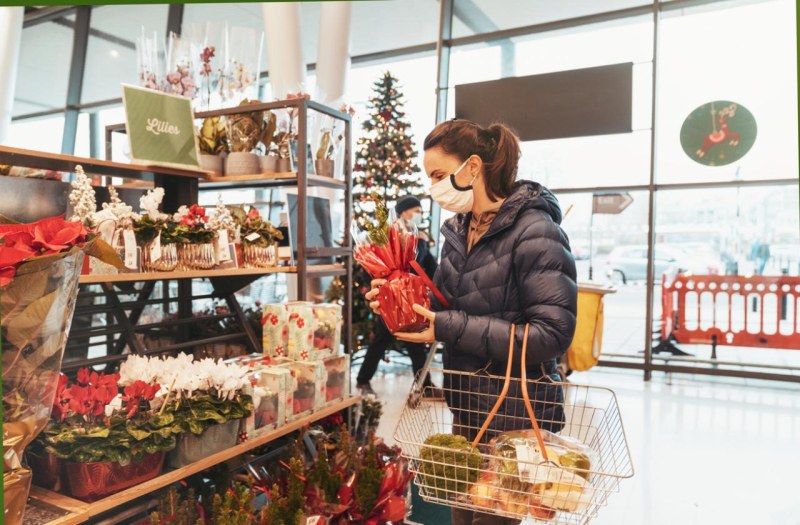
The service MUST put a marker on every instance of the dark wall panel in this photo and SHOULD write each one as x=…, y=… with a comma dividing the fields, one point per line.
x=577, y=103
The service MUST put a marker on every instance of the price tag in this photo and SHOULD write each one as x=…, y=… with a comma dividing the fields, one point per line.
x=129, y=241
x=155, y=248
x=527, y=460
x=223, y=249
x=253, y=237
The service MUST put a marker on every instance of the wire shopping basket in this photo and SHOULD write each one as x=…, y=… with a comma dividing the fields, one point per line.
x=550, y=451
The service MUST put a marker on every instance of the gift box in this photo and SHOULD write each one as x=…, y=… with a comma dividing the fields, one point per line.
x=275, y=322
x=397, y=298
x=337, y=384
x=302, y=325
x=328, y=331
x=309, y=392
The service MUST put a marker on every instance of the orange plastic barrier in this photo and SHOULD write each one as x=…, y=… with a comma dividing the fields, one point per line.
x=731, y=310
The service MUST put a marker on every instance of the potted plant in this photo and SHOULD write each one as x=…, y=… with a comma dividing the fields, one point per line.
x=213, y=140
x=244, y=133
x=153, y=230
x=206, y=400
x=259, y=238
x=107, y=440
x=194, y=239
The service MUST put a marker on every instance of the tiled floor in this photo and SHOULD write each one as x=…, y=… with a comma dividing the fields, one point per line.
x=705, y=451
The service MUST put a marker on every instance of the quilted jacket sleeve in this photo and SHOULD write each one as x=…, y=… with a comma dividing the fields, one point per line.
x=544, y=275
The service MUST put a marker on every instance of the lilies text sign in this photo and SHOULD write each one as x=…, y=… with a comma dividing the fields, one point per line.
x=160, y=128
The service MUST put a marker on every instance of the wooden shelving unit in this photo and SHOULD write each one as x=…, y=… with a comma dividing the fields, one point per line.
x=77, y=511
x=177, y=275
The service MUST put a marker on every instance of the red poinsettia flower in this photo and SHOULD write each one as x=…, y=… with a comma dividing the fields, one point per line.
x=54, y=234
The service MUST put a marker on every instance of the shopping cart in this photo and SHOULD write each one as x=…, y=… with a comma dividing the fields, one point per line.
x=536, y=486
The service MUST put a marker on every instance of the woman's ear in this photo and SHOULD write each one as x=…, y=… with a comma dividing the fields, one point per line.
x=475, y=166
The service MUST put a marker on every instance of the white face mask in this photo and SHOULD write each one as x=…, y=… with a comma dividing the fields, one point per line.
x=416, y=218
x=452, y=197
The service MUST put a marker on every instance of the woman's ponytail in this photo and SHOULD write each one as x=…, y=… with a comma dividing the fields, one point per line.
x=497, y=146
x=501, y=172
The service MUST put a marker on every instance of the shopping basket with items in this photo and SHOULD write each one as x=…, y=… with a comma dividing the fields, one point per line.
x=537, y=448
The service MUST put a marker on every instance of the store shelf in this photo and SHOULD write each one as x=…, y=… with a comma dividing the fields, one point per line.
x=80, y=512
x=134, y=277
x=67, y=163
x=178, y=275
x=268, y=180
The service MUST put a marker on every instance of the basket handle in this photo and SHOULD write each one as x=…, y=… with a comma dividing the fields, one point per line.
x=523, y=387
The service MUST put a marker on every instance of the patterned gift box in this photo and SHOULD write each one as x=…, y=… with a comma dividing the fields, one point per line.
x=302, y=325
x=309, y=395
x=337, y=385
x=275, y=321
x=328, y=331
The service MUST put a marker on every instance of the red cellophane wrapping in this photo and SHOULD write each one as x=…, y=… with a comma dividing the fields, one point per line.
x=403, y=289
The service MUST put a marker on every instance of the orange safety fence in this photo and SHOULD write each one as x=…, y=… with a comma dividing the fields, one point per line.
x=732, y=310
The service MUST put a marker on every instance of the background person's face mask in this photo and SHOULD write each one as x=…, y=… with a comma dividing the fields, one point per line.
x=452, y=197
x=416, y=218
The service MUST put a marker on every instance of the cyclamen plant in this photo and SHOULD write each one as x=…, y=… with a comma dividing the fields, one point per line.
x=192, y=225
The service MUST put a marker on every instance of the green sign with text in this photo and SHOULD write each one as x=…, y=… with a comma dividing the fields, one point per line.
x=160, y=128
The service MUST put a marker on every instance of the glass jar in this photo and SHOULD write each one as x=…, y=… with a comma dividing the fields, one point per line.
x=259, y=256
x=196, y=256
x=166, y=263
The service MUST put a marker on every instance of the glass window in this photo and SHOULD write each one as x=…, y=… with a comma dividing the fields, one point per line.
x=44, y=62
x=472, y=17
x=596, y=161
x=746, y=55
x=111, y=54
x=39, y=134
x=615, y=248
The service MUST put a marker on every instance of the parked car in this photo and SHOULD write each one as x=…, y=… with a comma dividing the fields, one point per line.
x=629, y=263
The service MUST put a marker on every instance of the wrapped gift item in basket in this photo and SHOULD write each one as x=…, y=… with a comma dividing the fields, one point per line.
x=488, y=450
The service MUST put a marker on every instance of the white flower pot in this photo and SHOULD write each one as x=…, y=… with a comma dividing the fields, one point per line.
x=242, y=163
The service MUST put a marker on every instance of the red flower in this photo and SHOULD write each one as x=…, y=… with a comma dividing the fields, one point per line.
x=273, y=319
x=84, y=376
x=253, y=214
x=300, y=323
x=136, y=393
x=195, y=209
x=55, y=234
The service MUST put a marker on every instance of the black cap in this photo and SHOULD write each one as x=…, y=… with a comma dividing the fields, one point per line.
x=406, y=203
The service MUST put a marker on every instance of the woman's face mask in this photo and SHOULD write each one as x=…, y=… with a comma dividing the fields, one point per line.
x=452, y=197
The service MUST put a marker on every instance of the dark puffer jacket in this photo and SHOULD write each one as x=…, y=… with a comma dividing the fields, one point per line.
x=521, y=271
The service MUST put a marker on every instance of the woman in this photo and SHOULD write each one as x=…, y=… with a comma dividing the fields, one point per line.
x=505, y=260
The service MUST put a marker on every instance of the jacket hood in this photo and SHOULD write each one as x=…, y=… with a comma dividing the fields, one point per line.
x=526, y=195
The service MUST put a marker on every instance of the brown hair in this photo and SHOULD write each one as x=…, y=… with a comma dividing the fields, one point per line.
x=497, y=146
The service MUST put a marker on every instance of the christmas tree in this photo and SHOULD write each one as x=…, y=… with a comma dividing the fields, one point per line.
x=385, y=164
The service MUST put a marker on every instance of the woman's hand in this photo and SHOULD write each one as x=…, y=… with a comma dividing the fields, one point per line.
x=373, y=294
x=427, y=335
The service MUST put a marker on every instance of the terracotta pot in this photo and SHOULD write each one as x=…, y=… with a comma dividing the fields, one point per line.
x=269, y=164
x=93, y=481
x=284, y=166
x=193, y=448
x=242, y=163
x=212, y=163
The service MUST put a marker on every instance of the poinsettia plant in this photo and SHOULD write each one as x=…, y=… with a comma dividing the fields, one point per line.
x=254, y=229
x=92, y=420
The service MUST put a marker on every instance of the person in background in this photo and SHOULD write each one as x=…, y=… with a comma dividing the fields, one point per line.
x=408, y=209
